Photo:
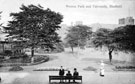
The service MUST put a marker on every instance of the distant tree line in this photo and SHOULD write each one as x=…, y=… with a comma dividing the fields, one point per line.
x=118, y=39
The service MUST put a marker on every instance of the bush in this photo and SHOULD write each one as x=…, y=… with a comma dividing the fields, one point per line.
x=16, y=68
x=7, y=52
x=18, y=56
x=89, y=68
x=58, y=47
x=0, y=65
x=1, y=57
x=125, y=67
x=39, y=58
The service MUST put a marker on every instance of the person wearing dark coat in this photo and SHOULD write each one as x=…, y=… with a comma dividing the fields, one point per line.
x=75, y=74
x=61, y=73
x=69, y=76
x=0, y=79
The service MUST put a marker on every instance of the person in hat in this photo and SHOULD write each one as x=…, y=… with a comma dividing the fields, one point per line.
x=69, y=76
x=75, y=74
x=61, y=73
x=102, y=68
x=0, y=79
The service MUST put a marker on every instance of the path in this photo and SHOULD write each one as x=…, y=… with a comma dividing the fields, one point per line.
x=68, y=60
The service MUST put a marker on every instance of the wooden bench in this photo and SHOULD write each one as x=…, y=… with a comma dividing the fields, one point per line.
x=0, y=79
x=64, y=78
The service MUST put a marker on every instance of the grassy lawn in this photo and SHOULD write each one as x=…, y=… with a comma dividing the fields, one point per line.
x=86, y=62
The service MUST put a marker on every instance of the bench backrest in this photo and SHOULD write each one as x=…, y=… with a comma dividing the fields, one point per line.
x=55, y=77
x=64, y=77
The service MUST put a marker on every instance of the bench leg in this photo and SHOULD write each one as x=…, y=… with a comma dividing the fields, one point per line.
x=49, y=81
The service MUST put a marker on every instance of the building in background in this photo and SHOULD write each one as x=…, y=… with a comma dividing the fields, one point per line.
x=126, y=21
x=129, y=21
x=78, y=23
x=122, y=21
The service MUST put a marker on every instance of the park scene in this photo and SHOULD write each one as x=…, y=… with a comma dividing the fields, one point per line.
x=54, y=43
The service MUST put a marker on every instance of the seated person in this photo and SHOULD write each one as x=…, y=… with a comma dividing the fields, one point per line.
x=0, y=79
x=75, y=74
x=68, y=76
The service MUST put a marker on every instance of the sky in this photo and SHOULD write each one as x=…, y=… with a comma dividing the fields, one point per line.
x=87, y=11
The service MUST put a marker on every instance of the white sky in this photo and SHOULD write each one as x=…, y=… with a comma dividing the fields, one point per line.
x=87, y=15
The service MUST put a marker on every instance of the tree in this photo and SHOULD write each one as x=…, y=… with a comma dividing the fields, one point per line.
x=124, y=37
x=35, y=27
x=71, y=40
x=78, y=35
x=119, y=39
x=101, y=38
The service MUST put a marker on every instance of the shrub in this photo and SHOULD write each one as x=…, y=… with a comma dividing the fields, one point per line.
x=21, y=55
x=39, y=58
x=16, y=68
x=58, y=47
x=0, y=65
x=125, y=67
x=89, y=68
x=7, y=52
x=1, y=57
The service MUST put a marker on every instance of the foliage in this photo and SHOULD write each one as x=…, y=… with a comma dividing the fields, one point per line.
x=78, y=35
x=121, y=38
x=7, y=52
x=20, y=55
x=23, y=61
x=101, y=38
x=16, y=68
x=59, y=47
x=35, y=27
x=40, y=59
x=124, y=38
x=125, y=67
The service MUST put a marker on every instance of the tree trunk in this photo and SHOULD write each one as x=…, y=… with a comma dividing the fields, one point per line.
x=3, y=47
x=32, y=51
x=72, y=49
x=110, y=55
x=32, y=54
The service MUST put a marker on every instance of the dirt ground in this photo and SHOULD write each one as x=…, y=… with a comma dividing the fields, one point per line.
x=67, y=59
